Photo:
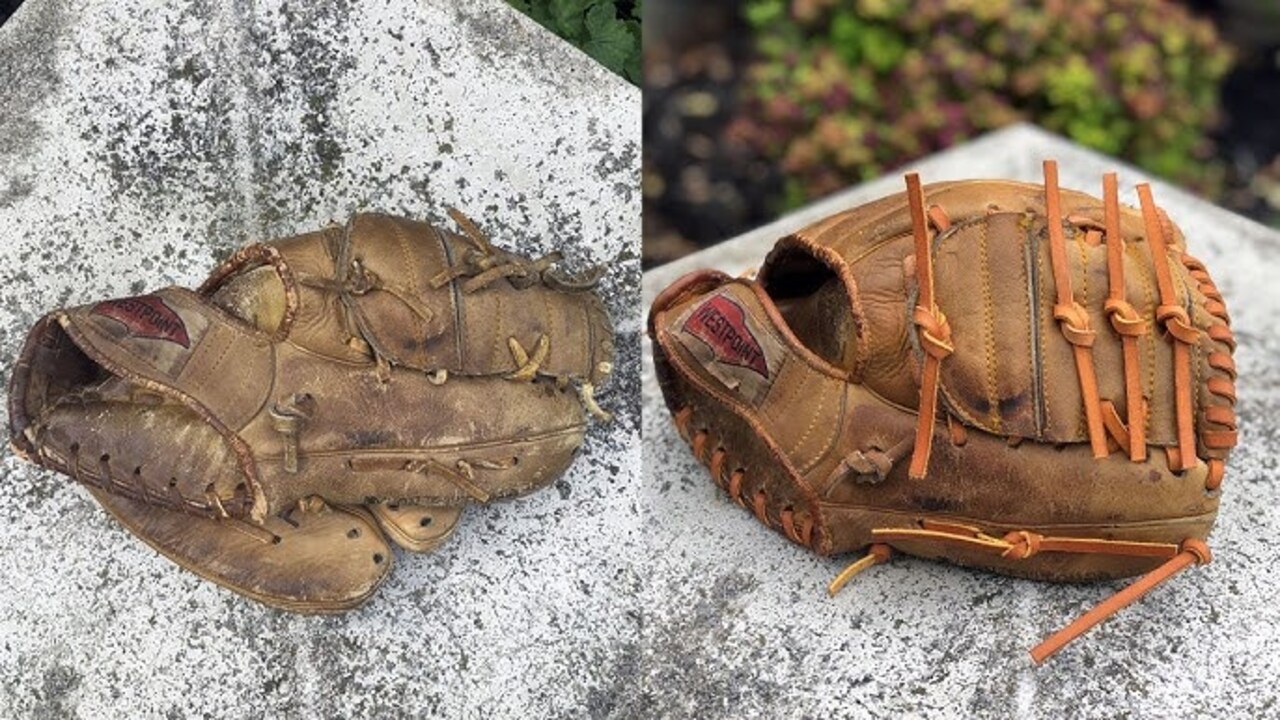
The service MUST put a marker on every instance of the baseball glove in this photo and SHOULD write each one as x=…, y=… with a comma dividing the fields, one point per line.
x=315, y=397
x=998, y=374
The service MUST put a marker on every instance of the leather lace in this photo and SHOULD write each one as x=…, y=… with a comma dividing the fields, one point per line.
x=484, y=264
x=100, y=474
x=1023, y=544
x=797, y=527
x=1102, y=419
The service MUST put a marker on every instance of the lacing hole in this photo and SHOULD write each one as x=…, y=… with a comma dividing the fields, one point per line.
x=515, y=460
x=353, y=533
x=106, y=457
x=173, y=482
x=137, y=472
x=424, y=522
x=75, y=447
x=377, y=558
x=275, y=539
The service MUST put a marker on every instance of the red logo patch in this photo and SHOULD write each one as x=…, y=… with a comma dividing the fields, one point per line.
x=146, y=317
x=721, y=324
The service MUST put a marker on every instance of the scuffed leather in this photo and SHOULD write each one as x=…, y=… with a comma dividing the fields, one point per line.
x=387, y=363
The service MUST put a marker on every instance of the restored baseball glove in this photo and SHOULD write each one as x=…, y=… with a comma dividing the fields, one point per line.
x=993, y=373
x=317, y=395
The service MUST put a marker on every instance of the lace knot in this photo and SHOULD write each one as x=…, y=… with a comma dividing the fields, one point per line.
x=1199, y=549
x=1076, y=327
x=1177, y=322
x=1124, y=318
x=1022, y=544
x=935, y=332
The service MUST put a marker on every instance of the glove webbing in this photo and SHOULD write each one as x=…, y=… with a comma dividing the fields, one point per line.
x=1102, y=418
x=1023, y=544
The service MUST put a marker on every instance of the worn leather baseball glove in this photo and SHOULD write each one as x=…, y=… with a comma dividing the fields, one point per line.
x=1002, y=375
x=315, y=397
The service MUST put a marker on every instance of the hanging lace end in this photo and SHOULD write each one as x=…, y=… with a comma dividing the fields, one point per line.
x=471, y=231
x=587, y=394
x=1193, y=552
x=876, y=554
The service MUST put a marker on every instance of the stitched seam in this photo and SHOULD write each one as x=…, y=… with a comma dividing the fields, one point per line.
x=784, y=400
x=1197, y=356
x=813, y=422
x=498, y=345
x=1150, y=391
x=212, y=368
x=837, y=426
x=868, y=252
x=988, y=307
x=403, y=243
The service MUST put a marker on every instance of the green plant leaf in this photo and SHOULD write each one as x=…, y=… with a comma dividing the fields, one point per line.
x=595, y=27
x=569, y=17
x=608, y=39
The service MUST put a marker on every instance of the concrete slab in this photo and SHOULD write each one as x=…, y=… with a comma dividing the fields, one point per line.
x=741, y=626
x=140, y=141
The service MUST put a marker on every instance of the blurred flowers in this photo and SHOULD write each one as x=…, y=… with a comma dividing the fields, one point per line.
x=842, y=90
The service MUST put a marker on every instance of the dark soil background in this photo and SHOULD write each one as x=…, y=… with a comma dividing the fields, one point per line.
x=701, y=186
x=6, y=9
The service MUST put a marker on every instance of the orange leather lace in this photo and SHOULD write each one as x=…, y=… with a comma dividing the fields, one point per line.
x=1130, y=326
x=1178, y=324
x=1101, y=416
x=934, y=332
x=1023, y=544
x=1191, y=552
x=1220, y=433
x=1072, y=317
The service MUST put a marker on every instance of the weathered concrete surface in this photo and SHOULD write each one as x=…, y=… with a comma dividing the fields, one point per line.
x=743, y=628
x=140, y=141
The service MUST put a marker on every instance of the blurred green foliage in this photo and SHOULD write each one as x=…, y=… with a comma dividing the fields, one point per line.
x=842, y=90
x=607, y=30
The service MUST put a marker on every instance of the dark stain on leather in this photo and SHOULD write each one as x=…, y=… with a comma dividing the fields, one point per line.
x=370, y=438
x=933, y=504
